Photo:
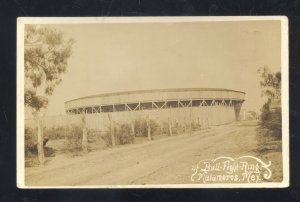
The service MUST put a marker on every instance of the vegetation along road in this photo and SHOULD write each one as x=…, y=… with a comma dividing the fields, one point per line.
x=164, y=161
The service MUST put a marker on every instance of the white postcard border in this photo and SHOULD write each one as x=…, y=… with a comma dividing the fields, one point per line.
x=88, y=20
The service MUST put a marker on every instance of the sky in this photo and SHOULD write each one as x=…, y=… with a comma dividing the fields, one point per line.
x=139, y=56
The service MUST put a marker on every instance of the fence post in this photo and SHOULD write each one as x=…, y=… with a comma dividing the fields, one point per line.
x=190, y=121
x=112, y=130
x=40, y=145
x=84, y=143
x=132, y=128
x=170, y=127
x=148, y=128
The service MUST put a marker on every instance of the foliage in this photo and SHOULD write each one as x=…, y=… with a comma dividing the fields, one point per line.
x=124, y=134
x=265, y=111
x=195, y=126
x=31, y=144
x=30, y=140
x=74, y=138
x=141, y=127
x=71, y=135
x=271, y=119
x=46, y=58
x=270, y=82
x=165, y=128
x=55, y=133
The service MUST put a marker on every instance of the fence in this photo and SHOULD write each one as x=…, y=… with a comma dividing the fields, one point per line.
x=83, y=131
x=204, y=116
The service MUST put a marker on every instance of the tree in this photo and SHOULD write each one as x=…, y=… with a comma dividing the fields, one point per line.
x=270, y=82
x=45, y=58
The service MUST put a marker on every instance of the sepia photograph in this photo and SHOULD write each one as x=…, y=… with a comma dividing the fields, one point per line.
x=152, y=102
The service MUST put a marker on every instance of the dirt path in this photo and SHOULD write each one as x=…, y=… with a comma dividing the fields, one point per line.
x=165, y=161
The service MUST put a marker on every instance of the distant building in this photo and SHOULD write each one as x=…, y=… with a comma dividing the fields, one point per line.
x=205, y=106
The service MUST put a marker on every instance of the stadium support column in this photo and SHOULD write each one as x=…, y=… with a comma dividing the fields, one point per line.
x=237, y=109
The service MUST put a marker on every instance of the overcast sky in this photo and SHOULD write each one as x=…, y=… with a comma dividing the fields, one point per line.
x=125, y=57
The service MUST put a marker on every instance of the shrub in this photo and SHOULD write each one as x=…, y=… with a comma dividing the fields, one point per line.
x=30, y=140
x=195, y=126
x=165, y=128
x=55, y=133
x=107, y=139
x=273, y=123
x=124, y=134
x=31, y=144
x=271, y=120
x=74, y=138
x=141, y=127
x=154, y=127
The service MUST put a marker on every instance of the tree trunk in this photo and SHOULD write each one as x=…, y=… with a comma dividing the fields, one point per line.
x=40, y=139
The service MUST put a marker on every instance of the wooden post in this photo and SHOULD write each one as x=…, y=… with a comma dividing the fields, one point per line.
x=191, y=129
x=84, y=143
x=190, y=120
x=148, y=128
x=40, y=139
x=207, y=123
x=112, y=130
x=132, y=128
x=170, y=127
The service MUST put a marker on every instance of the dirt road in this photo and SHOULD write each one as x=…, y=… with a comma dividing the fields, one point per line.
x=164, y=161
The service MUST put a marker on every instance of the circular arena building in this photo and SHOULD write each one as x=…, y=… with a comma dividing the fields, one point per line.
x=205, y=106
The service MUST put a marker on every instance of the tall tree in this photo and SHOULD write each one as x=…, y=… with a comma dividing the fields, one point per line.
x=271, y=87
x=270, y=82
x=45, y=58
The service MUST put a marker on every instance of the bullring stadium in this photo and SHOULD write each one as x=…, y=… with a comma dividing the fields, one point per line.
x=206, y=106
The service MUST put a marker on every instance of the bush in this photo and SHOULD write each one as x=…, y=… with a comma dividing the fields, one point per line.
x=165, y=128
x=124, y=134
x=154, y=127
x=141, y=127
x=178, y=128
x=55, y=133
x=30, y=140
x=271, y=120
x=31, y=144
x=195, y=126
x=273, y=123
x=74, y=138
